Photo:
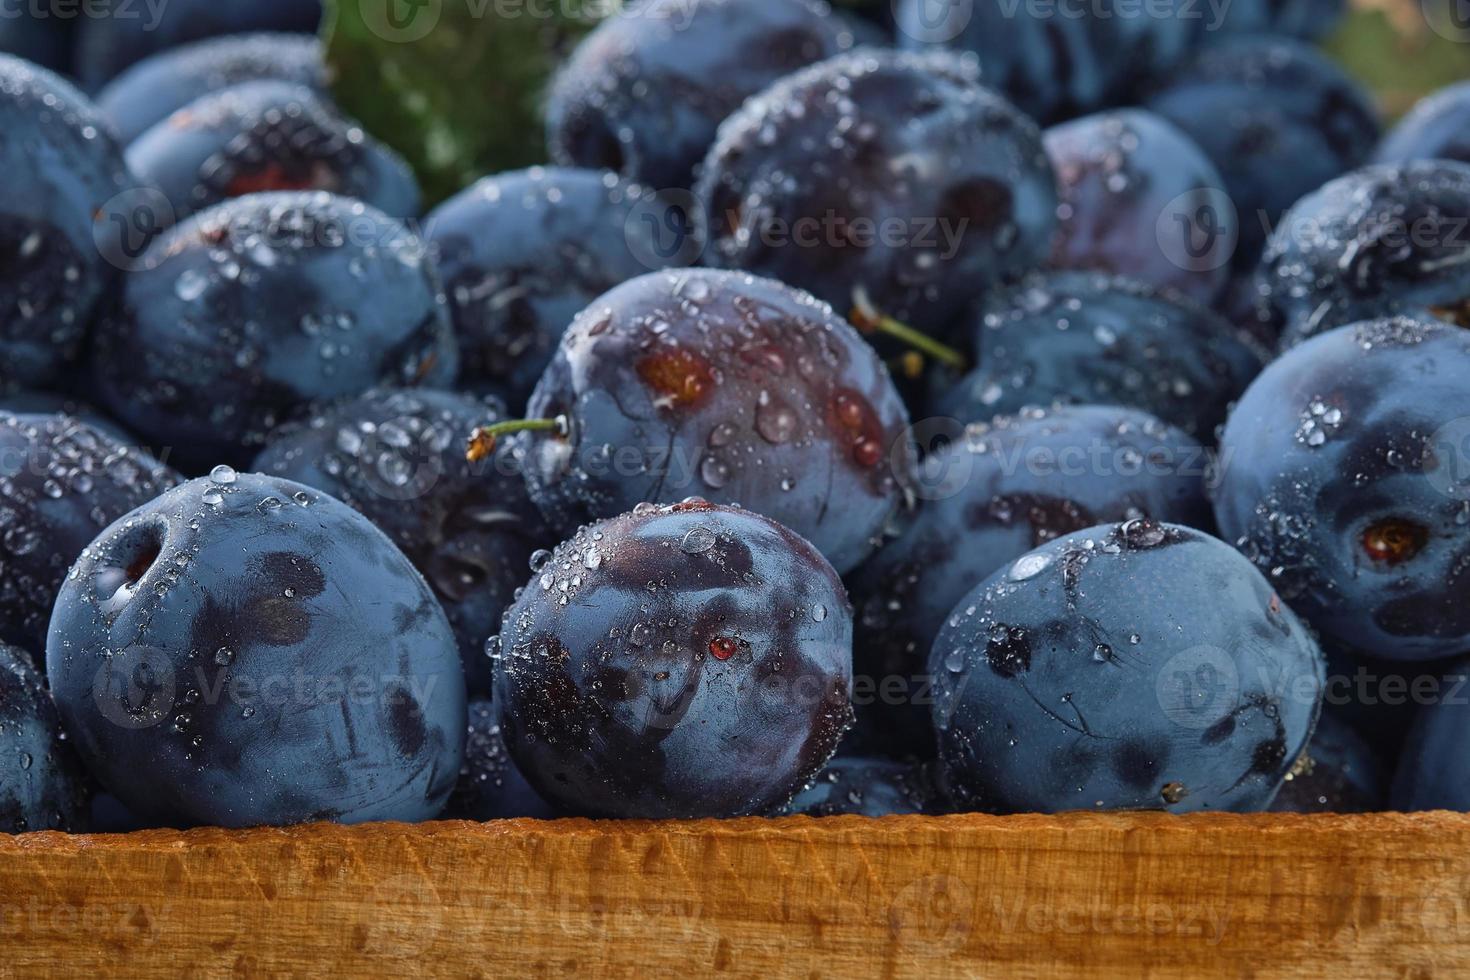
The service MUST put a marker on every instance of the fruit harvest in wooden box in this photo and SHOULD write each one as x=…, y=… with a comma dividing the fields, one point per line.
x=756, y=486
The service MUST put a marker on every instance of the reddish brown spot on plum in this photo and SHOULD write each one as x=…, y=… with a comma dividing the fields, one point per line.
x=856, y=425
x=723, y=647
x=274, y=177
x=678, y=377
x=867, y=453
x=1394, y=541
x=694, y=505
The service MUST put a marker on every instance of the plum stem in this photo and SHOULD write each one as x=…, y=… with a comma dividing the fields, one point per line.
x=869, y=319
x=483, y=439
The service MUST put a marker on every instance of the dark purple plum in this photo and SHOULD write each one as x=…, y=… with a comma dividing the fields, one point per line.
x=1140, y=665
x=1140, y=198
x=398, y=457
x=868, y=787
x=62, y=171
x=245, y=650
x=1343, y=476
x=1386, y=239
x=522, y=253
x=157, y=87
x=643, y=93
x=61, y=483
x=268, y=136
x=1058, y=61
x=1432, y=771
x=676, y=662
x=247, y=312
x=1338, y=773
x=1438, y=127
x=739, y=389
x=1278, y=118
x=490, y=786
x=42, y=783
x=990, y=495
x=896, y=174
x=119, y=33
x=1068, y=337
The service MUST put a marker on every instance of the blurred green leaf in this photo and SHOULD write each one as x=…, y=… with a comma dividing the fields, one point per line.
x=453, y=85
x=1390, y=47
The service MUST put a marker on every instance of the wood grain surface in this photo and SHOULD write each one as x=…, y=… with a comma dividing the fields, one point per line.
x=965, y=896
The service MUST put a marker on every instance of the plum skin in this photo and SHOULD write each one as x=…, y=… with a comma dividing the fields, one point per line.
x=1344, y=483
x=676, y=662
x=247, y=651
x=740, y=389
x=1058, y=687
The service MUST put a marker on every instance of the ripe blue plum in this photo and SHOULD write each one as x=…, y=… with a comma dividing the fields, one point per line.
x=644, y=92
x=1343, y=476
x=1139, y=665
x=740, y=389
x=1382, y=240
x=990, y=495
x=244, y=314
x=1087, y=337
x=268, y=136
x=44, y=786
x=397, y=456
x=62, y=482
x=896, y=174
x=676, y=662
x=245, y=650
x=522, y=253
x=62, y=169
x=157, y=87
x=1141, y=199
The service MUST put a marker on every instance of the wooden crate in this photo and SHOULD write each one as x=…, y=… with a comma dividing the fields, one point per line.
x=962, y=896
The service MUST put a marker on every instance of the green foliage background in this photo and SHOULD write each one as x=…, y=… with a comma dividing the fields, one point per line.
x=463, y=100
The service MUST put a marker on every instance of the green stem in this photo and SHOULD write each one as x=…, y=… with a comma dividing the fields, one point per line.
x=483, y=440
x=869, y=319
